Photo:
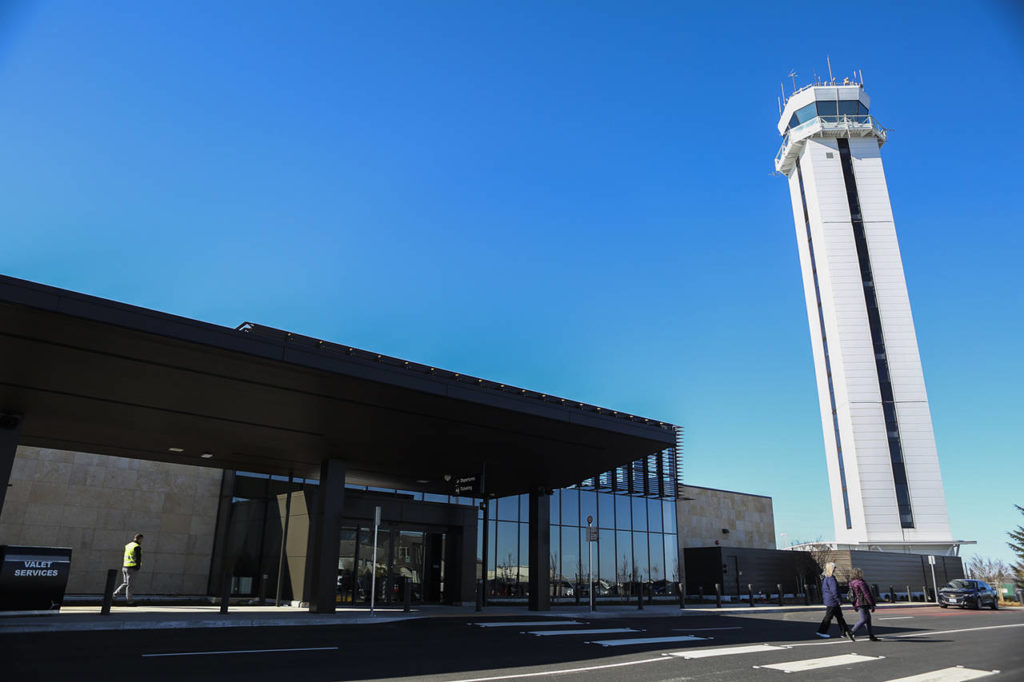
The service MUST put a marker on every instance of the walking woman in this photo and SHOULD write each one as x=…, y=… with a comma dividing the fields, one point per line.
x=862, y=601
x=833, y=607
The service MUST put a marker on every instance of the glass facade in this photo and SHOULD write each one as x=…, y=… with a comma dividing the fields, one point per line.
x=633, y=510
x=638, y=546
x=832, y=108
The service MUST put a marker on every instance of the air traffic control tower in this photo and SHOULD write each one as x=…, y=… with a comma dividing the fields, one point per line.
x=883, y=467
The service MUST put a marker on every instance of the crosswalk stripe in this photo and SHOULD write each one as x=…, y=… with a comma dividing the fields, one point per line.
x=957, y=674
x=525, y=623
x=594, y=631
x=815, y=663
x=645, y=640
x=725, y=651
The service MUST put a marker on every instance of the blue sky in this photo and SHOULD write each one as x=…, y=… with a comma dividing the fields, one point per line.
x=574, y=197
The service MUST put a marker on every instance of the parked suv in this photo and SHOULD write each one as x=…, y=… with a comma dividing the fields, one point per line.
x=964, y=593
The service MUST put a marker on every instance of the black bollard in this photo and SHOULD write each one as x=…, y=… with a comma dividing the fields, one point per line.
x=639, y=596
x=924, y=593
x=650, y=592
x=807, y=594
x=407, y=588
x=750, y=593
x=682, y=595
x=718, y=595
x=577, y=593
x=479, y=595
x=108, y=592
x=700, y=594
x=225, y=591
x=892, y=594
x=780, y=593
x=593, y=600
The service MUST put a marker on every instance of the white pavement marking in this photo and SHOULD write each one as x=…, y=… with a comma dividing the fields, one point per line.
x=815, y=663
x=526, y=623
x=946, y=632
x=646, y=640
x=242, y=651
x=595, y=631
x=726, y=651
x=896, y=618
x=545, y=673
x=957, y=674
x=735, y=627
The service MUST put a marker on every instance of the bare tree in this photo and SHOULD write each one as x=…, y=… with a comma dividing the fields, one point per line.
x=1017, y=545
x=993, y=571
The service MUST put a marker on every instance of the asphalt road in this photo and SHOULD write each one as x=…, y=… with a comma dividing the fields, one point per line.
x=759, y=645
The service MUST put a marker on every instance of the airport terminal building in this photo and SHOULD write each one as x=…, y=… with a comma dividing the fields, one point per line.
x=263, y=457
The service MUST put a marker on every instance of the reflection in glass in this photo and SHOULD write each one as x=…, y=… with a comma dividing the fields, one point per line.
x=624, y=559
x=669, y=516
x=506, y=557
x=622, y=512
x=588, y=506
x=366, y=569
x=408, y=563
x=654, y=515
x=671, y=559
x=507, y=508
x=606, y=510
x=639, y=514
x=571, y=507
x=605, y=553
x=656, y=548
x=641, y=565
x=571, y=569
x=347, y=565
x=555, y=510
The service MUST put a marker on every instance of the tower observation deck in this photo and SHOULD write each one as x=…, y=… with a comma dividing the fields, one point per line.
x=883, y=467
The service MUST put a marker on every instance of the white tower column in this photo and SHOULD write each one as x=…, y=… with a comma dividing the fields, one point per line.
x=882, y=463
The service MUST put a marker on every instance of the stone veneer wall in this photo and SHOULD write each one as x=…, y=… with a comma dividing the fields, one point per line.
x=749, y=518
x=94, y=504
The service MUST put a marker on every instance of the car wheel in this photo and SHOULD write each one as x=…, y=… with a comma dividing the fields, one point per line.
x=995, y=604
x=977, y=603
x=943, y=606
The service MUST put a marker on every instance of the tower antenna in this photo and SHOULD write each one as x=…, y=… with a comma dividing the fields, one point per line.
x=783, y=88
x=792, y=74
x=831, y=80
x=861, y=71
x=780, y=105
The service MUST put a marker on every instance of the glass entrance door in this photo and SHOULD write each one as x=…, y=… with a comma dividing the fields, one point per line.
x=366, y=568
x=408, y=563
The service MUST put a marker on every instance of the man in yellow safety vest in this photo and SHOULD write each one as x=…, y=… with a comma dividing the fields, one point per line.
x=132, y=564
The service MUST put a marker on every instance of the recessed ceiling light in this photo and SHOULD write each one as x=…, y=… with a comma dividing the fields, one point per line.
x=206, y=455
x=176, y=449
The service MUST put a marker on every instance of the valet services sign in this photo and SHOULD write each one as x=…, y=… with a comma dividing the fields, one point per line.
x=33, y=579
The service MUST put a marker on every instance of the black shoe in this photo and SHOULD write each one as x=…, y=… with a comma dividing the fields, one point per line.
x=874, y=639
x=849, y=633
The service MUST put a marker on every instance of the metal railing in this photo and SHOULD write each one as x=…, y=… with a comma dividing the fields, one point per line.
x=850, y=123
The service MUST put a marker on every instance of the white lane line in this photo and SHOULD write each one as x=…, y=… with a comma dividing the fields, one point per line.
x=526, y=623
x=735, y=627
x=545, y=673
x=815, y=663
x=646, y=640
x=925, y=633
x=595, y=631
x=726, y=651
x=957, y=674
x=896, y=618
x=241, y=651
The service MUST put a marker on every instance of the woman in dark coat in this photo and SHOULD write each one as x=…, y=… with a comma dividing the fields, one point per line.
x=833, y=607
x=862, y=601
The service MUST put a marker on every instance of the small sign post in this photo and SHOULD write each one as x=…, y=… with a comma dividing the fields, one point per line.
x=373, y=566
x=935, y=585
x=591, y=539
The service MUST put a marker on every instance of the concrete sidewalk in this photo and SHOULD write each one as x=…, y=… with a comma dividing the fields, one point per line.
x=88, y=618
